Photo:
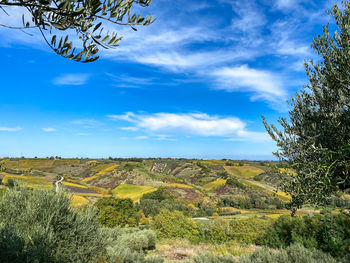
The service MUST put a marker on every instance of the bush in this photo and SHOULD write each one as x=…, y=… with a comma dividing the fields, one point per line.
x=235, y=182
x=329, y=233
x=39, y=226
x=117, y=212
x=159, y=195
x=128, y=245
x=174, y=224
x=294, y=253
x=248, y=230
x=207, y=258
x=258, y=178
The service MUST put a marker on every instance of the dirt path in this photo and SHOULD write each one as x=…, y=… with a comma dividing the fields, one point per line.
x=58, y=182
x=266, y=186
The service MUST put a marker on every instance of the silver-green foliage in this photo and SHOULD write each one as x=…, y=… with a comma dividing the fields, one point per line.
x=294, y=253
x=315, y=140
x=40, y=226
x=129, y=245
x=84, y=18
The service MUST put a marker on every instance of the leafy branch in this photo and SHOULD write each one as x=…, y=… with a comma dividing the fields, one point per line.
x=86, y=17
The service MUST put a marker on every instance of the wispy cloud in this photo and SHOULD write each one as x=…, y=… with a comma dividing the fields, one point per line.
x=164, y=125
x=10, y=129
x=75, y=79
x=142, y=137
x=81, y=134
x=129, y=128
x=263, y=84
x=86, y=123
x=48, y=129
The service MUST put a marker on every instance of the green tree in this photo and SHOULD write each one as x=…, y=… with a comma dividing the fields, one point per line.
x=174, y=224
x=40, y=226
x=117, y=212
x=315, y=141
x=58, y=19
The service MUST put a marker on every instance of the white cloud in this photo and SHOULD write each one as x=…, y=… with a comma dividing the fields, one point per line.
x=86, y=123
x=283, y=4
x=129, y=128
x=10, y=129
x=141, y=137
x=128, y=116
x=48, y=129
x=264, y=84
x=71, y=79
x=165, y=125
x=249, y=19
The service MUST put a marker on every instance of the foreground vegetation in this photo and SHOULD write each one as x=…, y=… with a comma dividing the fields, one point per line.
x=38, y=225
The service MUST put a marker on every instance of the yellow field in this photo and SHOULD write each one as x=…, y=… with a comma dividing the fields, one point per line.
x=281, y=194
x=78, y=201
x=214, y=162
x=275, y=216
x=92, y=195
x=98, y=189
x=214, y=184
x=134, y=192
x=74, y=185
x=181, y=185
x=101, y=167
x=29, y=181
x=100, y=173
x=243, y=171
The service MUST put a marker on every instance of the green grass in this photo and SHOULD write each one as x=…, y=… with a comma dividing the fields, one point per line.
x=245, y=171
x=214, y=184
x=134, y=192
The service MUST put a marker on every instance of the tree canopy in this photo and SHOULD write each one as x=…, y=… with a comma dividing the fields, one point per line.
x=39, y=226
x=315, y=140
x=117, y=212
x=65, y=23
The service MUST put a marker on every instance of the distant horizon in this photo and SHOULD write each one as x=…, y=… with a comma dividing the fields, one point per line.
x=134, y=157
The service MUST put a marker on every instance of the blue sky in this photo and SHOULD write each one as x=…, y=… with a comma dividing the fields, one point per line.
x=193, y=84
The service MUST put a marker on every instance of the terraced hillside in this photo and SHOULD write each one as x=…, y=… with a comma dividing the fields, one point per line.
x=224, y=186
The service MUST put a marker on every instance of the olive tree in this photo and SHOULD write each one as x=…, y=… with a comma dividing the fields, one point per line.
x=59, y=21
x=315, y=139
x=39, y=226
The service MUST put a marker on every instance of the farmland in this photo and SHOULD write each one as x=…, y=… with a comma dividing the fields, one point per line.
x=222, y=206
x=236, y=184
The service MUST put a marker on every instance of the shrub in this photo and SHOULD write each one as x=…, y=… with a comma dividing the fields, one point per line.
x=159, y=195
x=258, y=178
x=174, y=224
x=292, y=254
x=235, y=182
x=207, y=258
x=117, y=212
x=128, y=245
x=250, y=231
x=39, y=226
x=329, y=233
